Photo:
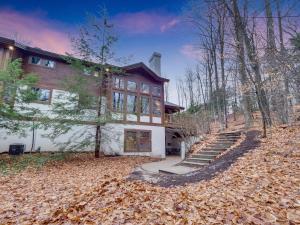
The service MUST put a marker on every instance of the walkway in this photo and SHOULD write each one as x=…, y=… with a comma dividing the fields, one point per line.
x=205, y=173
x=168, y=165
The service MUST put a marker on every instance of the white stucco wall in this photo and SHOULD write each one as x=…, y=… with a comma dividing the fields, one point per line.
x=45, y=144
x=112, y=139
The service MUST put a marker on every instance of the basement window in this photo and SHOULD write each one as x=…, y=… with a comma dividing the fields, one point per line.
x=137, y=141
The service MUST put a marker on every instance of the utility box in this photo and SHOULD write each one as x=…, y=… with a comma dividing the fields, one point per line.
x=16, y=149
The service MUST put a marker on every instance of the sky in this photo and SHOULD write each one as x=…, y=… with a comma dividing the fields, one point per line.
x=142, y=28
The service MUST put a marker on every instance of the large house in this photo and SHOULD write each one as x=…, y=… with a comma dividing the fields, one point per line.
x=140, y=124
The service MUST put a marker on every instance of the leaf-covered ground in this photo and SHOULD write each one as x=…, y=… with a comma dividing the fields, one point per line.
x=262, y=187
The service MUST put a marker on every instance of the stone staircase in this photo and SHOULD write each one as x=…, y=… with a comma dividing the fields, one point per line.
x=223, y=142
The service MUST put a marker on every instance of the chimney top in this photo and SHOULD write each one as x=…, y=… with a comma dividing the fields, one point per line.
x=155, y=63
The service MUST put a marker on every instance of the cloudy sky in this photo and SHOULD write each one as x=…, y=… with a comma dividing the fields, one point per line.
x=142, y=27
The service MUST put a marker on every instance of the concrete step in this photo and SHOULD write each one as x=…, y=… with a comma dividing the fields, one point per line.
x=219, y=146
x=234, y=132
x=214, y=150
x=223, y=142
x=200, y=160
x=229, y=136
x=211, y=152
x=206, y=156
x=198, y=164
x=226, y=139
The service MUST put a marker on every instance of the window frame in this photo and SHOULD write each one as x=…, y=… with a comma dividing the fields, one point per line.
x=136, y=86
x=136, y=104
x=152, y=107
x=42, y=62
x=141, y=89
x=123, y=107
x=141, y=105
x=156, y=94
x=48, y=102
x=120, y=79
x=138, y=140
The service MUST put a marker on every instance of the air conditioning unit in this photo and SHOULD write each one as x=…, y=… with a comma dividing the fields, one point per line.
x=16, y=149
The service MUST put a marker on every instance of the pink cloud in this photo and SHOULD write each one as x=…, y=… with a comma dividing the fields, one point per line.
x=191, y=51
x=39, y=32
x=169, y=25
x=144, y=22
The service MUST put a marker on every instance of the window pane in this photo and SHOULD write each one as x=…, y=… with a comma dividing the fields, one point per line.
x=43, y=95
x=118, y=83
x=131, y=103
x=145, y=141
x=156, y=107
x=145, y=88
x=131, y=86
x=145, y=105
x=156, y=91
x=131, y=141
x=118, y=101
x=49, y=63
x=35, y=60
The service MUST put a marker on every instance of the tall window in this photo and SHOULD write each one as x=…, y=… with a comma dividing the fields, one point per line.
x=156, y=90
x=131, y=141
x=144, y=140
x=131, y=86
x=137, y=141
x=118, y=101
x=118, y=83
x=156, y=107
x=145, y=105
x=145, y=88
x=43, y=95
x=131, y=103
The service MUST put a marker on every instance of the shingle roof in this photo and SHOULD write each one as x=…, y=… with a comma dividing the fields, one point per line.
x=62, y=58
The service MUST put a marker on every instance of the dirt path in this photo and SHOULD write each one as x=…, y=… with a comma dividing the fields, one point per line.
x=217, y=166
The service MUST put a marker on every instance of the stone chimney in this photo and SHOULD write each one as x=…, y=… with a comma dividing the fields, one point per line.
x=155, y=63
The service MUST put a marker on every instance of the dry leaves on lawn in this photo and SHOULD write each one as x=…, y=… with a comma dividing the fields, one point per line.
x=262, y=187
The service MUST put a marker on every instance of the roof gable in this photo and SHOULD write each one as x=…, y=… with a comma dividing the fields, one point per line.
x=141, y=68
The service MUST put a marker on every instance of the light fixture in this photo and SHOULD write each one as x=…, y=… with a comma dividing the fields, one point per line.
x=107, y=69
x=11, y=48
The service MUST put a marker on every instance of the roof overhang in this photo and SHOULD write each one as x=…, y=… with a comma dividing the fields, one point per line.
x=142, y=66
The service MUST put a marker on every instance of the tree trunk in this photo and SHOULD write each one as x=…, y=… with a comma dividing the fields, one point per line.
x=242, y=65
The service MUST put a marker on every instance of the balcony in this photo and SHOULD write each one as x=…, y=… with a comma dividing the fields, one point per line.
x=171, y=120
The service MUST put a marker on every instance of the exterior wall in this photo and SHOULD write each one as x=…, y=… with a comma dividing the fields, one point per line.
x=41, y=141
x=55, y=78
x=137, y=118
x=4, y=57
x=113, y=140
